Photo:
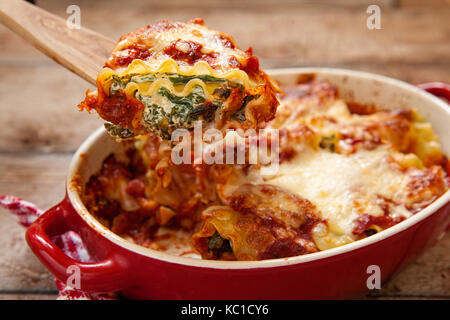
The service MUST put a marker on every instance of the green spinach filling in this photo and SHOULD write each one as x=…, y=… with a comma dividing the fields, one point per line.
x=183, y=111
x=218, y=245
x=121, y=82
x=118, y=132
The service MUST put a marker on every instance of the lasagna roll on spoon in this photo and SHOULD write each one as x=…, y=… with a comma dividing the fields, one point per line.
x=168, y=75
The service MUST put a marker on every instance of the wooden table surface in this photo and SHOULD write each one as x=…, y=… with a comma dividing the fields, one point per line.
x=41, y=126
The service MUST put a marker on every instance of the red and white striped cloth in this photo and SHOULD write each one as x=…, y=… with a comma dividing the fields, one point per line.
x=70, y=243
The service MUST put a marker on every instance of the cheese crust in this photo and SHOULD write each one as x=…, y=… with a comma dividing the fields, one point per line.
x=168, y=75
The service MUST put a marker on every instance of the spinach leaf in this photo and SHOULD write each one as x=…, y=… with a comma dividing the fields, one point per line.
x=328, y=143
x=181, y=79
x=218, y=245
x=118, y=132
x=175, y=78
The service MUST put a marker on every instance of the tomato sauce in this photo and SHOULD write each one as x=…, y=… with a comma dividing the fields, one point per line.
x=364, y=221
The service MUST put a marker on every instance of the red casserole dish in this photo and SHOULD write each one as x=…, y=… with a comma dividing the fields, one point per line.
x=142, y=273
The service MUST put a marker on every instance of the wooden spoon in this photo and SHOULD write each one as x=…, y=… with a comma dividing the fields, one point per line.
x=82, y=51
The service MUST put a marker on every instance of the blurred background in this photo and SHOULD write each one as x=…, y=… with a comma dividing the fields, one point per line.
x=41, y=126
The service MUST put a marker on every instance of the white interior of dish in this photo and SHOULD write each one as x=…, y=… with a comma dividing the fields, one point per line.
x=361, y=87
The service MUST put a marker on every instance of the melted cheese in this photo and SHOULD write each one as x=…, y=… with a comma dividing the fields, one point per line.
x=342, y=187
x=160, y=101
x=210, y=40
x=376, y=179
x=150, y=88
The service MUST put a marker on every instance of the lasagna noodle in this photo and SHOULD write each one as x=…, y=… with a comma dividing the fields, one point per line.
x=170, y=66
x=261, y=222
x=232, y=227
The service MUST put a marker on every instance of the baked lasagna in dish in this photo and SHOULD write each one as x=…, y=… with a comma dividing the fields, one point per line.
x=168, y=75
x=346, y=171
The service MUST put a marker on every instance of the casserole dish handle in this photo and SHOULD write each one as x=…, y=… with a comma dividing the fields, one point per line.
x=96, y=277
x=439, y=89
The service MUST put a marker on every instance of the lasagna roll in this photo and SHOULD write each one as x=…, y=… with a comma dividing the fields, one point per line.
x=168, y=75
x=261, y=222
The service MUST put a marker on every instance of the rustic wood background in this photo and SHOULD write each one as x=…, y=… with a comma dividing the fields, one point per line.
x=41, y=127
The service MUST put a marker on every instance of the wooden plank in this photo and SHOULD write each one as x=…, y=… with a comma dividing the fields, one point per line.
x=427, y=276
x=442, y=4
x=39, y=109
x=19, y=268
x=412, y=73
x=81, y=50
x=27, y=296
x=225, y=5
x=301, y=34
x=39, y=179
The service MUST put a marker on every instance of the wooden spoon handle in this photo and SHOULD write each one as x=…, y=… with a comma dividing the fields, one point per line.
x=82, y=51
